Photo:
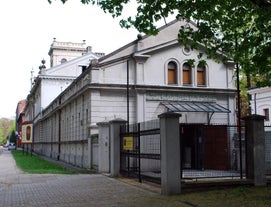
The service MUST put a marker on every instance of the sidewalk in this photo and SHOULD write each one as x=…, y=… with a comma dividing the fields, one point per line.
x=8, y=169
x=11, y=174
x=18, y=189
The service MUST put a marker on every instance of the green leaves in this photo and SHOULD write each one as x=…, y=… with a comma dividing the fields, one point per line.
x=6, y=127
x=236, y=30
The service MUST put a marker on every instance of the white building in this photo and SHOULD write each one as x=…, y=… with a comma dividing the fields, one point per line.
x=260, y=102
x=137, y=82
x=61, y=52
x=68, y=61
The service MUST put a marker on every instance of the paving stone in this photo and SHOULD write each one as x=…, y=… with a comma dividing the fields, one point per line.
x=19, y=189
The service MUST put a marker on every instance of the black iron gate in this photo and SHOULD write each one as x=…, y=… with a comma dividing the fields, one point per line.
x=212, y=151
x=268, y=149
x=207, y=151
x=140, y=150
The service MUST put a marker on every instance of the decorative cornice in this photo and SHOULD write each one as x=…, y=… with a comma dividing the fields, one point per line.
x=53, y=77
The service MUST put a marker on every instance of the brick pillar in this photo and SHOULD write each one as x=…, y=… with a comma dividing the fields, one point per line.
x=170, y=154
x=114, y=136
x=255, y=146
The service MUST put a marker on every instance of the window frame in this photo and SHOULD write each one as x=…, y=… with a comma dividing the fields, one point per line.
x=266, y=114
x=173, y=71
x=201, y=70
x=63, y=60
x=187, y=70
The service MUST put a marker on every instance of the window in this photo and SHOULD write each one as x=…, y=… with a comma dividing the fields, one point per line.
x=201, y=76
x=172, y=73
x=84, y=68
x=266, y=114
x=63, y=60
x=187, y=74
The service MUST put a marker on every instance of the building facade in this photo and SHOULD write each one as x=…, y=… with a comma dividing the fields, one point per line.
x=260, y=102
x=137, y=82
x=52, y=81
x=61, y=52
x=20, y=119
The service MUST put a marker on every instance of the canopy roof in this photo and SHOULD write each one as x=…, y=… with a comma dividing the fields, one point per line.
x=195, y=107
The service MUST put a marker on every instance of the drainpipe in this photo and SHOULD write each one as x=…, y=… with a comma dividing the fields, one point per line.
x=59, y=133
x=127, y=92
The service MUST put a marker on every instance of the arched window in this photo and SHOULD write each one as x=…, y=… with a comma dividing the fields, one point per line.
x=172, y=73
x=201, y=75
x=63, y=60
x=187, y=74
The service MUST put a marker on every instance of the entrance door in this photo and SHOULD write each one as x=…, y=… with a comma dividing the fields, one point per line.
x=216, y=152
x=191, y=139
x=204, y=147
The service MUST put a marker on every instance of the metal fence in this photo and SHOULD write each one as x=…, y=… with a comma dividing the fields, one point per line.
x=207, y=151
x=212, y=151
x=268, y=149
x=140, y=150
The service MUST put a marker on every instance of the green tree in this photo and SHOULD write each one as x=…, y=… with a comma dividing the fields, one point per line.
x=12, y=126
x=6, y=128
x=12, y=137
x=239, y=29
x=2, y=135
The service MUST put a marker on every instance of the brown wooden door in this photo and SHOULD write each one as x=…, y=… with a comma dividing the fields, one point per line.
x=216, y=151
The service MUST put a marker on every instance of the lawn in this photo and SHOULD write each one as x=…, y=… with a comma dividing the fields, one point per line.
x=244, y=196
x=35, y=165
x=232, y=197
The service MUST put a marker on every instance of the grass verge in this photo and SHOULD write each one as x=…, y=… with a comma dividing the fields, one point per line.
x=35, y=165
x=232, y=197
x=243, y=196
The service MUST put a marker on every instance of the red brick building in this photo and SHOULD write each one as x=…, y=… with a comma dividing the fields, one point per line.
x=20, y=118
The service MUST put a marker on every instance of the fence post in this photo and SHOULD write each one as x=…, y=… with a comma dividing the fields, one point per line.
x=170, y=153
x=255, y=144
x=103, y=150
x=114, y=136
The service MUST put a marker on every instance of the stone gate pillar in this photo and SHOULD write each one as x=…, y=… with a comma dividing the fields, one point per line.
x=114, y=136
x=255, y=144
x=170, y=153
x=103, y=150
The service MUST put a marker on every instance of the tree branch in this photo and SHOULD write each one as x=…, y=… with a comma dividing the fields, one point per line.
x=262, y=3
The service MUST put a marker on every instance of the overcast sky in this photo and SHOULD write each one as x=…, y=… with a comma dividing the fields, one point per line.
x=27, y=31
